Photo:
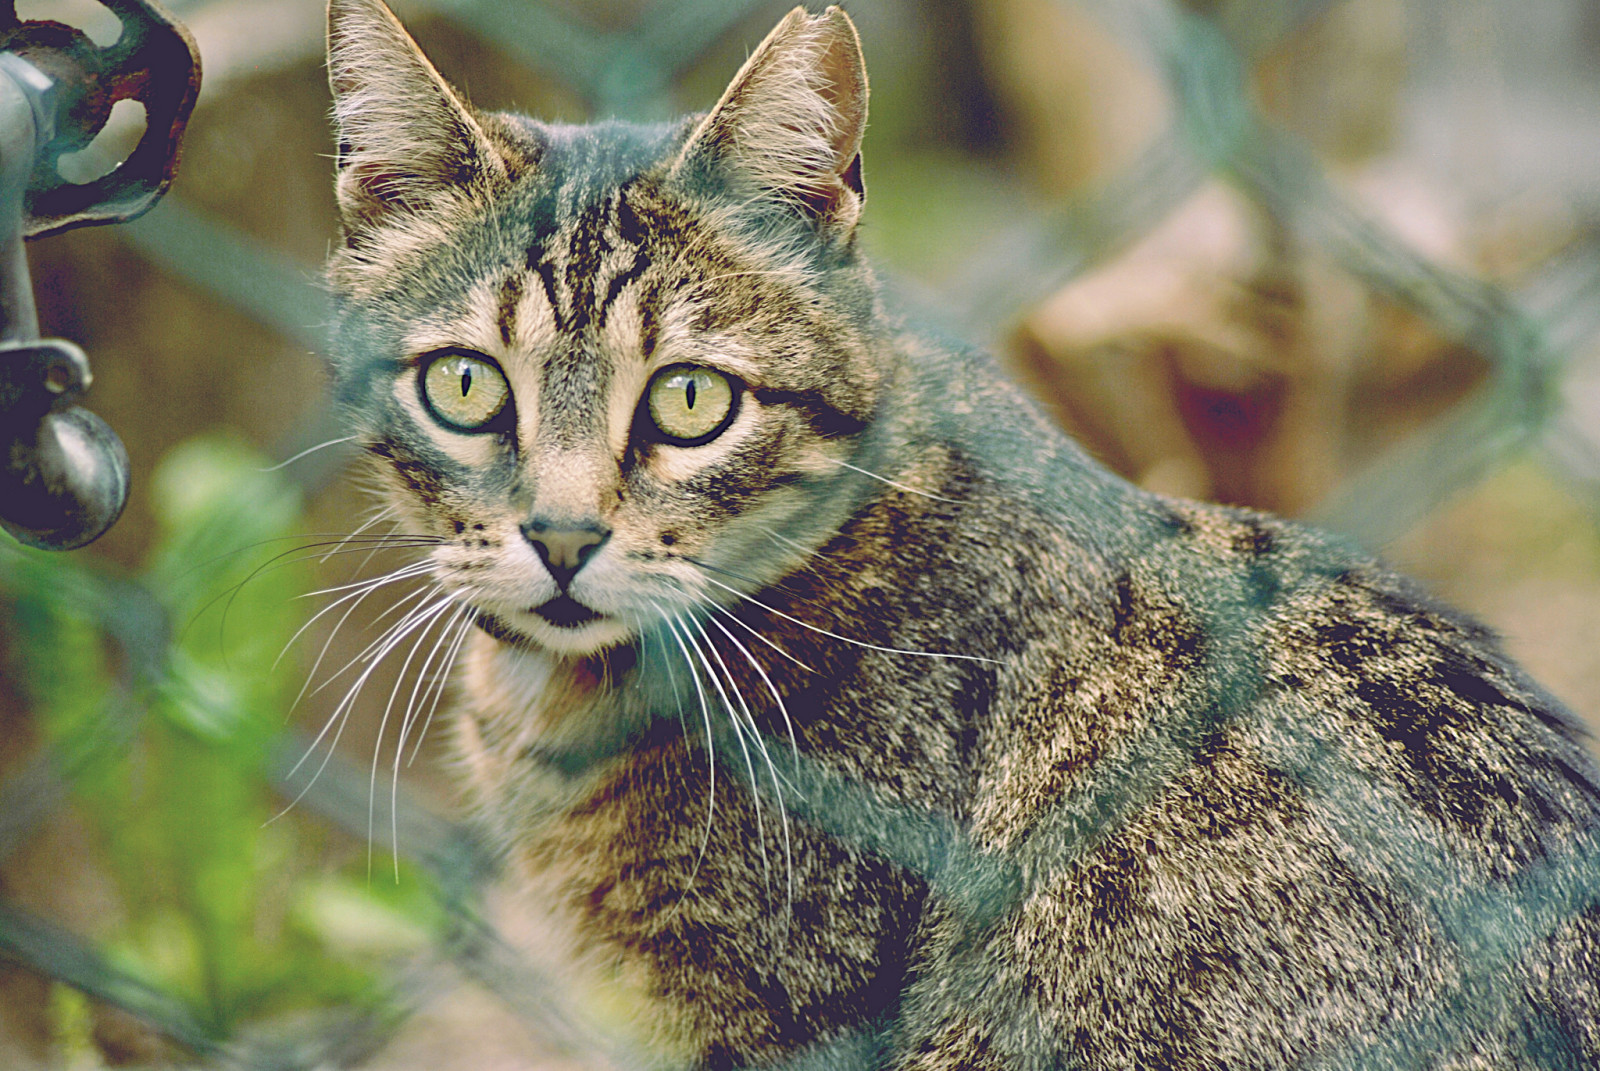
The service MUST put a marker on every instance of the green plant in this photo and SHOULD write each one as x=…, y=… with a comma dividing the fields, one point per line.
x=165, y=701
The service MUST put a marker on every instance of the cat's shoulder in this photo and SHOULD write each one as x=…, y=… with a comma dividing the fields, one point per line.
x=1361, y=686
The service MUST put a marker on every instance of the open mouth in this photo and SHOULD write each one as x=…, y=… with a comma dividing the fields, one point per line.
x=566, y=612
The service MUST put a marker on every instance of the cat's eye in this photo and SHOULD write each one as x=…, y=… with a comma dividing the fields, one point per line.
x=690, y=405
x=464, y=391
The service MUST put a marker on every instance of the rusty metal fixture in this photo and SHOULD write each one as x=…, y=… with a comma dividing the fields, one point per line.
x=63, y=471
x=153, y=61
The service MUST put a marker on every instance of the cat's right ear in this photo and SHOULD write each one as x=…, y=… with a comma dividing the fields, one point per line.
x=789, y=126
x=407, y=141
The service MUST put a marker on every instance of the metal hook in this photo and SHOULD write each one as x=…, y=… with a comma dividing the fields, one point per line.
x=63, y=471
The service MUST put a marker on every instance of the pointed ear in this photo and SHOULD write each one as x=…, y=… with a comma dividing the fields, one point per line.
x=406, y=139
x=790, y=124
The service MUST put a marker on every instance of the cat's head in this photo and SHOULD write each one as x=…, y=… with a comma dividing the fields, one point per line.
x=611, y=367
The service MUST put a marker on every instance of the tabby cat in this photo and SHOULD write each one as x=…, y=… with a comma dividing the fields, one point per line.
x=832, y=709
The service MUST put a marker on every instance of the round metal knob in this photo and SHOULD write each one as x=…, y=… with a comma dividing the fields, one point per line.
x=63, y=471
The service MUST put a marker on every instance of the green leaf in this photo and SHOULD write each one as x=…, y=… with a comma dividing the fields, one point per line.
x=168, y=739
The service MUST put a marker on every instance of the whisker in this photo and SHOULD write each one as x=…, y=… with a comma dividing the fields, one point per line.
x=782, y=709
x=892, y=483
x=749, y=715
x=276, y=561
x=711, y=763
x=375, y=550
x=308, y=451
x=423, y=685
x=387, y=511
x=403, y=623
x=738, y=736
x=462, y=632
x=341, y=710
x=424, y=621
x=772, y=771
x=366, y=653
x=412, y=569
x=793, y=544
x=813, y=561
x=730, y=615
x=317, y=539
x=340, y=716
x=359, y=598
x=834, y=635
x=366, y=589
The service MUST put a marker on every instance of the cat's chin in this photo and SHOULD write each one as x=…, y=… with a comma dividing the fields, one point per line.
x=534, y=631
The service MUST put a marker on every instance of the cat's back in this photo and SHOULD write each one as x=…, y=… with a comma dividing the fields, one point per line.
x=1264, y=801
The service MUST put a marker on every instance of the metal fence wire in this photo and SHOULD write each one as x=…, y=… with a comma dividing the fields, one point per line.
x=1205, y=59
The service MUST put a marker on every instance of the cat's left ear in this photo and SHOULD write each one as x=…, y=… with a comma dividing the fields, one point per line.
x=789, y=126
x=407, y=141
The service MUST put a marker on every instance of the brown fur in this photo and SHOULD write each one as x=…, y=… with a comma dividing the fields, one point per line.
x=904, y=735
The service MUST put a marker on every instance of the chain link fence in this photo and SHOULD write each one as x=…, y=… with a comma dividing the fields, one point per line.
x=1205, y=59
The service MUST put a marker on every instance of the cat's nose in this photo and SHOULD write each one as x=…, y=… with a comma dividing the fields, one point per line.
x=564, y=550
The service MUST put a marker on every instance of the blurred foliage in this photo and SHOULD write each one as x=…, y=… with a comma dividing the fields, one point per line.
x=226, y=904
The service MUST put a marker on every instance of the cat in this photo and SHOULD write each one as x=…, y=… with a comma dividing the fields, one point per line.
x=830, y=708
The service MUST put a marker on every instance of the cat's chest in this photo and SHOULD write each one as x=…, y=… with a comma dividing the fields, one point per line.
x=540, y=792
x=536, y=736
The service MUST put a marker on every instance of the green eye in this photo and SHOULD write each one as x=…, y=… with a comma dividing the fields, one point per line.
x=463, y=391
x=690, y=405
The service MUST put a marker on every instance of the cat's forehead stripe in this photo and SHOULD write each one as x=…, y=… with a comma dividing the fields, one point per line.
x=545, y=272
x=619, y=282
x=587, y=247
x=511, y=289
x=571, y=266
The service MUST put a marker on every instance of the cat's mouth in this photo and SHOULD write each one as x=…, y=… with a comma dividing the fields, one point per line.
x=564, y=611
x=562, y=625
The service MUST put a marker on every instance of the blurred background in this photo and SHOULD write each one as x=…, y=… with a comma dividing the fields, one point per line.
x=1339, y=260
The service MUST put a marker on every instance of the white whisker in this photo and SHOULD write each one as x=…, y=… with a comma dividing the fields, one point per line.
x=365, y=655
x=892, y=483
x=405, y=571
x=424, y=620
x=363, y=563
x=374, y=519
x=738, y=736
x=462, y=632
x=309, y=450
x=340, y=716
x=367, y=589
x=847, y=639
x=792, y=544
x=423, y=685
x=730, y=615
x=772, y=771
x=711, y=763
x=748, y=657
x=382, y=646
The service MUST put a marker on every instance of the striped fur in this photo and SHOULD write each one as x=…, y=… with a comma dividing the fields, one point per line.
x=905, y=735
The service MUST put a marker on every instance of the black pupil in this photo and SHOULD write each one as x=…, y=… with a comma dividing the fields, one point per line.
x=688, y=394
x=466, y=379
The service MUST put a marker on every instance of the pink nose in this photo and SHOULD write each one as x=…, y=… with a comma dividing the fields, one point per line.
x=564, y=550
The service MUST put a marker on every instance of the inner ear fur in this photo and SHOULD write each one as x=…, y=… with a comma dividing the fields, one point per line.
x=407, y=140
x=789, y=125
